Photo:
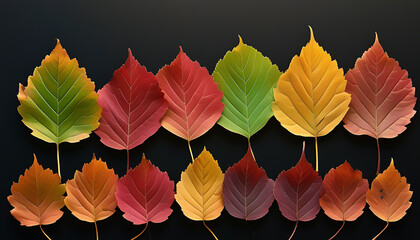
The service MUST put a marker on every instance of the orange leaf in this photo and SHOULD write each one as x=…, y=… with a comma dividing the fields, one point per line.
x=37, y=197
x=389, y=196
x=91, y=194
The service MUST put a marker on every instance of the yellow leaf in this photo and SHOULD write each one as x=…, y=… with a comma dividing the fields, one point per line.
x=310, y=100
x=199, y=193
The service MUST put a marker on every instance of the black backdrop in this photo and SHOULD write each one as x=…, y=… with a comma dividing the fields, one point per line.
x=98, y=35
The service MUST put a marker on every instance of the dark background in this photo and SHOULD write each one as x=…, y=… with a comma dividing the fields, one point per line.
x=98, y=35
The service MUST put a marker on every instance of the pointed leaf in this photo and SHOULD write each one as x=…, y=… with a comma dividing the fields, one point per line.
x=91, y=194
x=145, y=194
x=344, y=193
x=389, y=196
x=246, y=79
x=310, y=99
x=60, y=103
x=247, y=191
x=382, y=95
x=37, y=197
x=132, y=106
x=298, y=190
x=199, y=193
x=193, y=97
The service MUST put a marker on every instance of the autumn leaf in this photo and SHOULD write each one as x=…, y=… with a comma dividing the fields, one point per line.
x=382, y=96
x=145, y=194
x=91, y=193
x=297, y=192
x=343, y=194
x=389, y=196
x=310, y=100
x=247, y=191
x=193, y=97
x=37, y=197
x=60, y=103
x=132, y=106
x=247, y=79
x=199, y=192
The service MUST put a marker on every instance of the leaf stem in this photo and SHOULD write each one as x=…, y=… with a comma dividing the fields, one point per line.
x=316, y=154
x=378, y=169
x=42, y=230
x=96, y=229
x=338, y=230
x=387, y=224
x=250, y=148
x=210, y=230
x=128, y=160
x=147, y=223
x=58, y=160
x=191, y=153
x=294, y=230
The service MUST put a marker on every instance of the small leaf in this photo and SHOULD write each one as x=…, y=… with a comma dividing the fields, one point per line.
x=247, y=191
x=145, y=194
x=193, y=97
x=298, y=190
x=382, y=96
x=310, y=100
x=343, y=193
x=91, y=194
x=37, y=197
x=246, y=79
x=199, y=192
x=389, y=196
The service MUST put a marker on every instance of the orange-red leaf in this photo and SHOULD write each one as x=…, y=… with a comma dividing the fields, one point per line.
x=132, y=106
x=193, y=96
x=145, y=194
x=344, y=193
x=389, y=196
x=91, y=194
x=37, y=197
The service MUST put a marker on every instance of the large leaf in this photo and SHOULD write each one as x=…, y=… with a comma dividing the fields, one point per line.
x=247, y=191
x=132, y=106
x=91, y=194
x=389, y=196
x=382, y=96
x=145, y=194
x=193, y=96
x=344, y=194
x=246, y=79
x=199, y=192
x=297, y=192
x=309, y=98
x=37, y=197
x=60, y=103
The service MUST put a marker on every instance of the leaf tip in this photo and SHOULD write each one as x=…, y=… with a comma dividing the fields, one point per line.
x=21, y=94
x=130, y=54
x=240, y=44
x=312, y=34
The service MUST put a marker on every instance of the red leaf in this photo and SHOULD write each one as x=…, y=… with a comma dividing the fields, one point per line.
x=382, y=96
x=145, y=194
x=298, y=190
x=132, y=106
x=247, y=191
x=193, y=96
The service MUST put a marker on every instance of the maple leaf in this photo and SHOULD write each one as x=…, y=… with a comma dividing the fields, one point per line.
x=145, y=194
x=193, y=97
x=297, y=192
x=343, y=194
x=247, y=191
x=382, y=97
x=199, y=192
x=91, y=194
x=60, y=103
x=132, y=106
x=310, y=100
x=389, y=196
x=37, y=197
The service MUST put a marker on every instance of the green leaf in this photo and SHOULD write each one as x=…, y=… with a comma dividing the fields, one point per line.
x=247, y=79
